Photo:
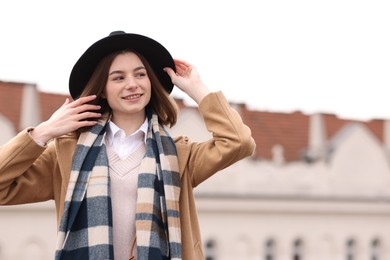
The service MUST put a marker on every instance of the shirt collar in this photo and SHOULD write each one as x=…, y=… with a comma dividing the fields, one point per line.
x=113, y=129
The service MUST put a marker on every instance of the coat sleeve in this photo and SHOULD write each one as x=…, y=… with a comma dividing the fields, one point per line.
x=231, y=140
x=26, y=171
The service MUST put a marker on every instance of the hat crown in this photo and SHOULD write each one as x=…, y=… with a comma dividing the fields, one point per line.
x=116, y=33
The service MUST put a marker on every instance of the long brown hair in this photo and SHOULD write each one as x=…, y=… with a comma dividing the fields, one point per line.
x=160, y=102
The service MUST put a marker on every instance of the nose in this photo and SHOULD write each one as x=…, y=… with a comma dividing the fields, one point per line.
x=131, y=83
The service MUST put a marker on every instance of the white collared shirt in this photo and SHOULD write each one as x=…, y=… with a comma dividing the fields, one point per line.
x=124, y=145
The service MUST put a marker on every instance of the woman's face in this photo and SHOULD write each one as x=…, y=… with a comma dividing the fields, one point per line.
x=128, y=88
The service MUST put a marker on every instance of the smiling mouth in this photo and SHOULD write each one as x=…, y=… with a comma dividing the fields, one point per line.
x=131, y=97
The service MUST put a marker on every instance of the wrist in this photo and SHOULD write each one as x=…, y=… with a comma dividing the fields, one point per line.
x=200, y=92
x=39, y=135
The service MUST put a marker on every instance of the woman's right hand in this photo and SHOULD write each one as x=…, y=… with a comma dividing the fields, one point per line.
x=68, y=118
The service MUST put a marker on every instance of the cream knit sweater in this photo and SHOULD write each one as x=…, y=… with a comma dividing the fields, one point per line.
x=123, y=184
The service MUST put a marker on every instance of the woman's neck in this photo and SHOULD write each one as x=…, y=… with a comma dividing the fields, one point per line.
x=128, y=123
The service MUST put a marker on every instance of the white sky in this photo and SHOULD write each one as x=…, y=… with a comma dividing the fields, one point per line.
x=330, y=56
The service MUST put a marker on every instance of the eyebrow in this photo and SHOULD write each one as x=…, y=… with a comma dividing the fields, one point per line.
x=134, y=70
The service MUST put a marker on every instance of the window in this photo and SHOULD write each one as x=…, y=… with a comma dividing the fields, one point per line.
x=351, y=249
x=297, y=249
x=375, y=249
x=269, y=250
x=210, y=251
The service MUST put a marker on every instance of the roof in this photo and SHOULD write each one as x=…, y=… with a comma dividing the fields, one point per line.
x=10, y=101
x=290, y=130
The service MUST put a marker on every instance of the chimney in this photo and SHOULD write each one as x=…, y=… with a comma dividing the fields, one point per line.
x=386, y=137
x=7, y=130
x=317, y=137
x=278, y=154
x=30, y=112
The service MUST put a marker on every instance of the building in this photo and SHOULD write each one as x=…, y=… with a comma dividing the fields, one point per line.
x=317, y=187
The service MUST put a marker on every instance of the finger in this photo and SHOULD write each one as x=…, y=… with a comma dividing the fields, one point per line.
x=83, y=100
x=88, y=123
x=67, y=101
x=86, y=107
x=170, y=72
x=85, y=123
x=184, y=68
x=178, y=61
x=179, y=71
x=87, y=115
x=181, y=66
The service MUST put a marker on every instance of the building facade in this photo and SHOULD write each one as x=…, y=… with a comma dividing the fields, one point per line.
x=316, y=188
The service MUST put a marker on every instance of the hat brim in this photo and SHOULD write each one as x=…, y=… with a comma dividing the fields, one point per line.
x=156, y=54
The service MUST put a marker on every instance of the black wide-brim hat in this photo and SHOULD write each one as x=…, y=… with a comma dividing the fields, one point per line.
x=156, y=54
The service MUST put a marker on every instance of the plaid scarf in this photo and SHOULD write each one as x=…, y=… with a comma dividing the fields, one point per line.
x=85, y=230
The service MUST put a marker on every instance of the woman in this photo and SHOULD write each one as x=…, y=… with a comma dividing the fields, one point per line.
x=123, y=188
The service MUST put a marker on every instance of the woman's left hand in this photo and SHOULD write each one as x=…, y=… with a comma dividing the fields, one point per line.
x=188, y=80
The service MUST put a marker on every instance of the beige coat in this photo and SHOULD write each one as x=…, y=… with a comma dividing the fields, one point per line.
x=31, y=173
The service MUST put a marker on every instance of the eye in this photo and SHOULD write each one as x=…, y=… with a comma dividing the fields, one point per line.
x=117, y=78
x=140, y=74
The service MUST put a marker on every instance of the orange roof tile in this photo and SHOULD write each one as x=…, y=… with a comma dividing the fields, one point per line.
x=291, y=130
x=10, y=101
x=49, y=103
